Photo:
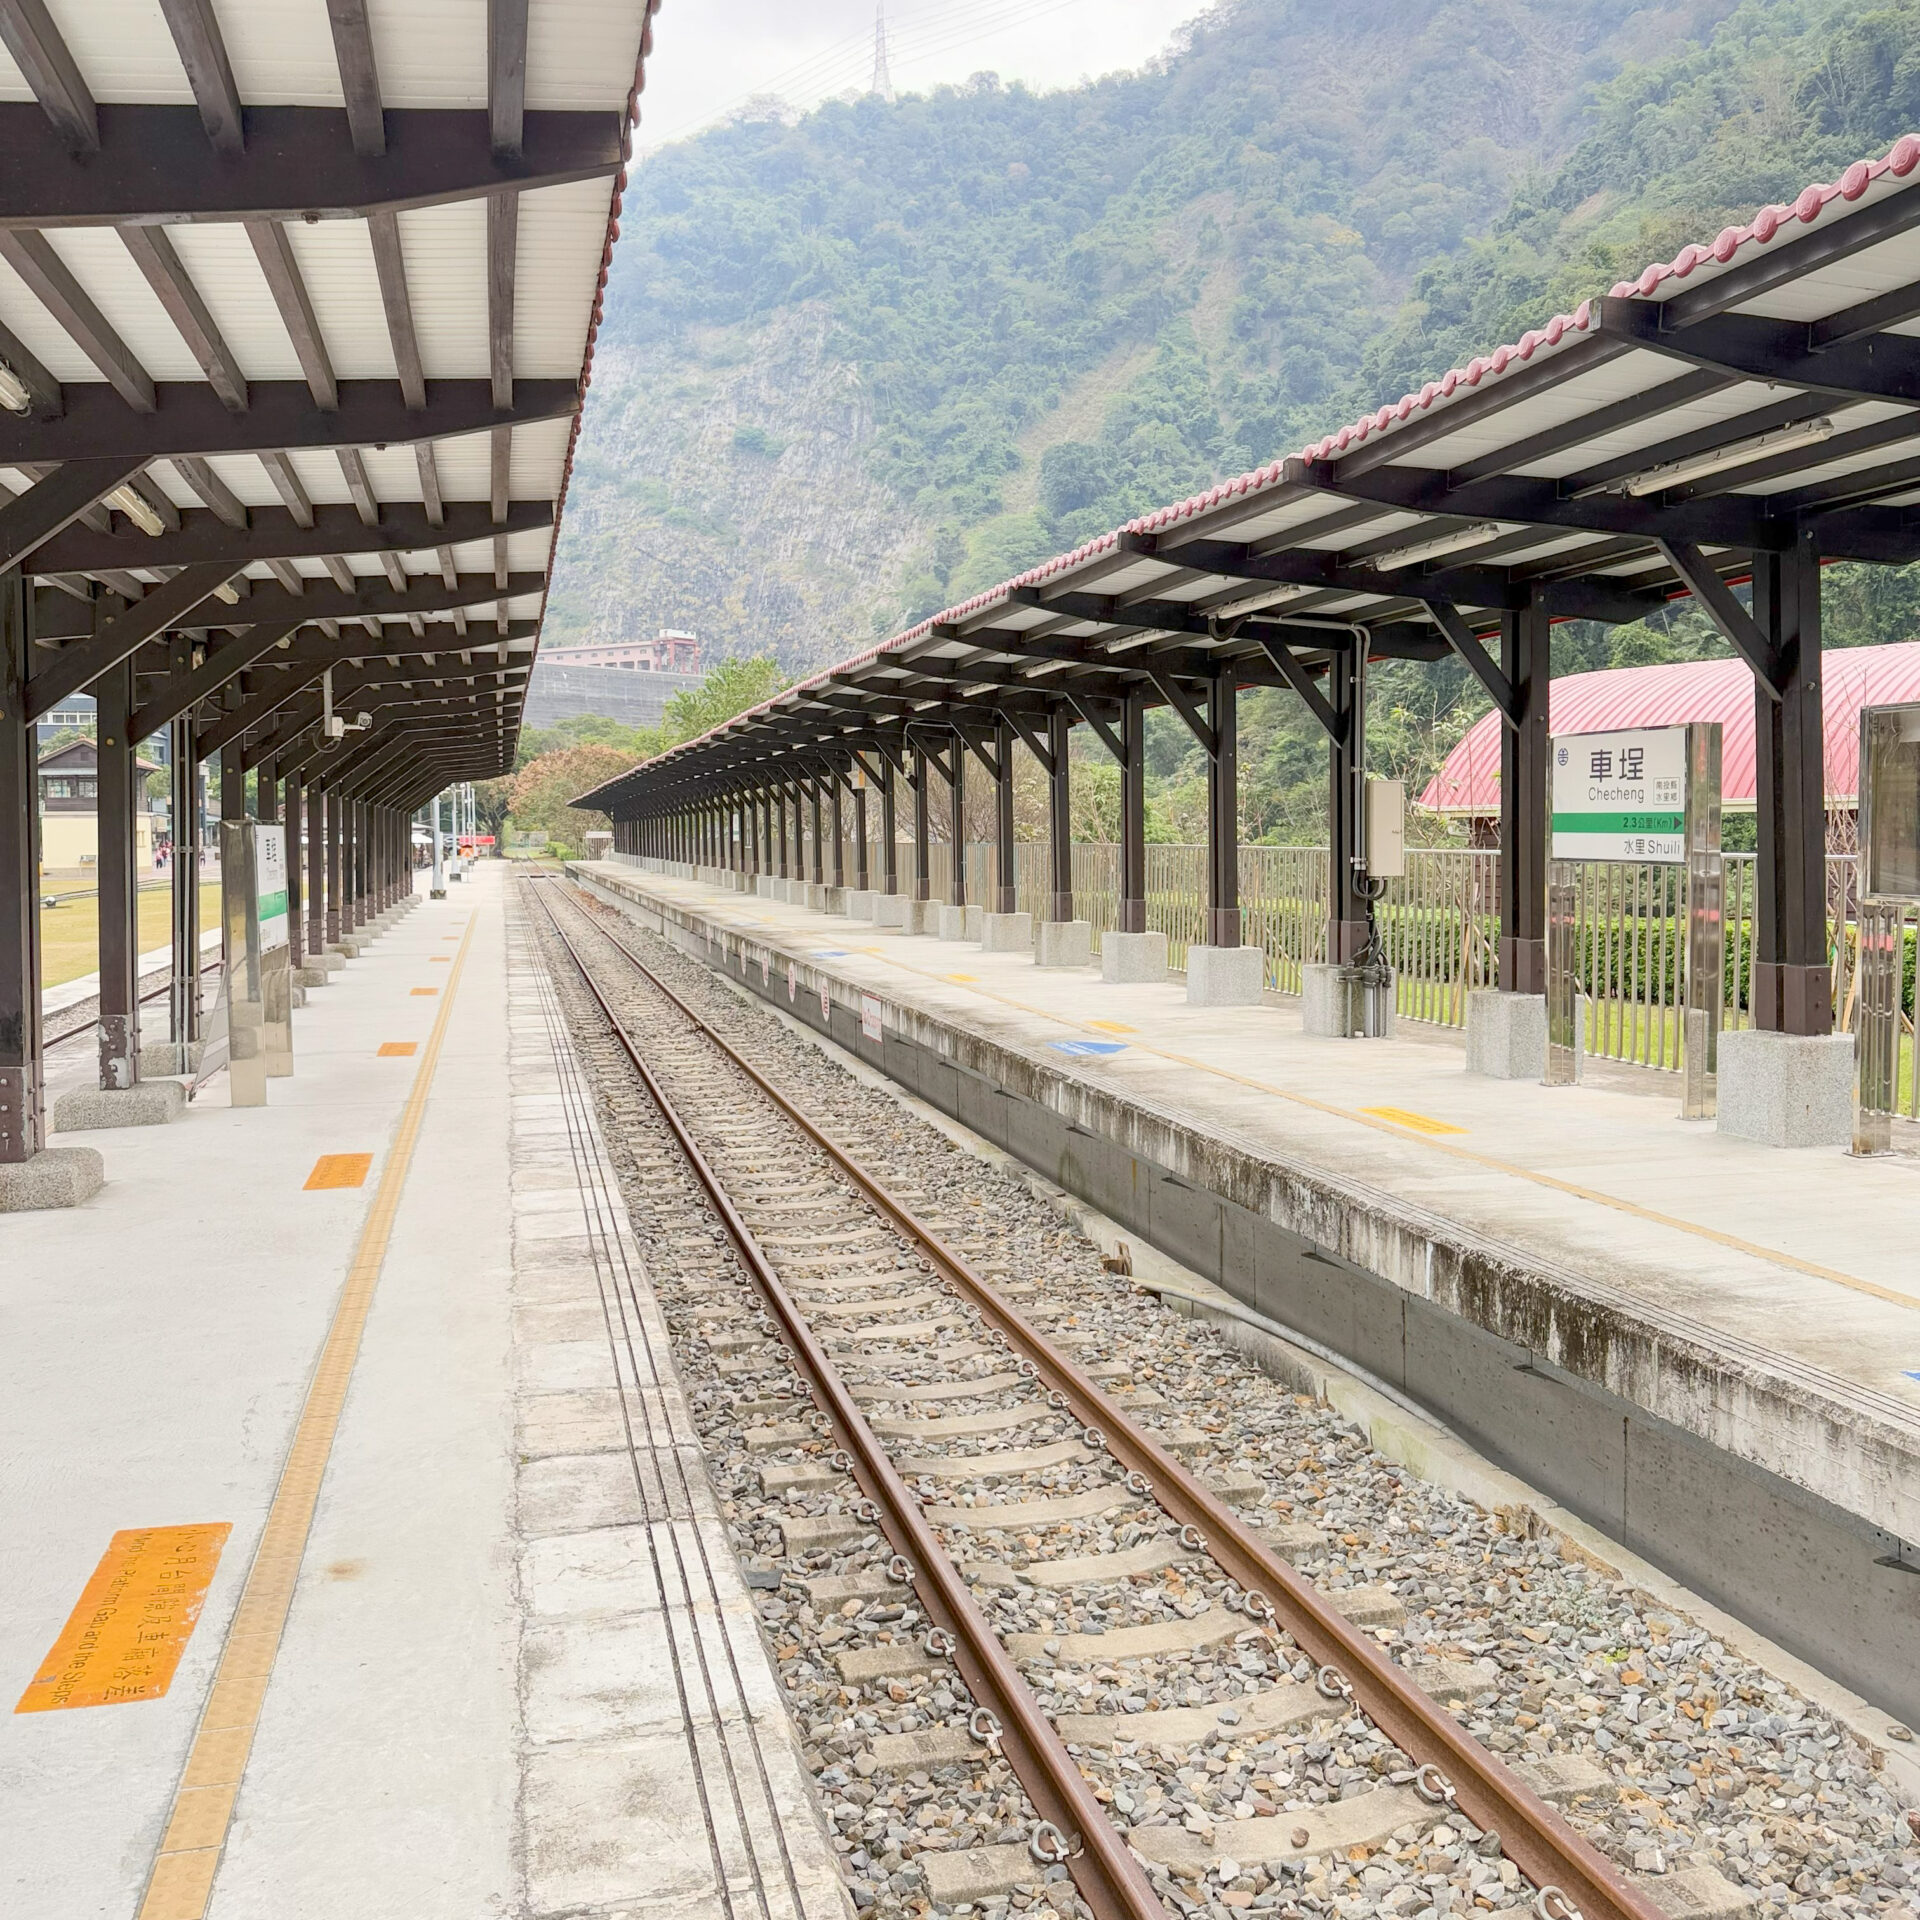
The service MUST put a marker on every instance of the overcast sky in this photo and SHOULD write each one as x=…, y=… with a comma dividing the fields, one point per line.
x=709, y=56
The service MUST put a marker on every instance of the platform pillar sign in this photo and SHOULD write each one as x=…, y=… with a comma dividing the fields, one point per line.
x=1649, y=796
x=1889, y=884
x=273, y=929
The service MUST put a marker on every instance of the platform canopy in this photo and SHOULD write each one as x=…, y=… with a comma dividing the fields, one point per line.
x=1758, y=395
x=297, y=307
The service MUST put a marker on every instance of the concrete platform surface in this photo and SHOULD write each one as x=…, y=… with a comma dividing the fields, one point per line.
x=1610, y=1259
x=340, y=1326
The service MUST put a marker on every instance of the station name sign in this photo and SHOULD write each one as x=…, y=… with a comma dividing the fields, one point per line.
x=1620, y=796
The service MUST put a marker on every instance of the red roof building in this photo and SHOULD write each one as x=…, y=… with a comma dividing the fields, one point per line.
x=1468, y=783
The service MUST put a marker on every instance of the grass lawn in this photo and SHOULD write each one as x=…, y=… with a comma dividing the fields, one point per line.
x=70, y=933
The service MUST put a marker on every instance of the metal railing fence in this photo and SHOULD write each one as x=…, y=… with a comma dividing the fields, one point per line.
x=1439, y=926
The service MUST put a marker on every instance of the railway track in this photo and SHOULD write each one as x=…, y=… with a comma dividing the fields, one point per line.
x=953, y=1456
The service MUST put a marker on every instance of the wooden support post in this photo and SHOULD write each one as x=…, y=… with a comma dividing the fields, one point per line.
x=836, y=782
x=862, y=868
x=1060, y=811
x=1791, y=983
x=1005, y=891
x=957, y=801
x=22, y=1116
x=1133, y=813
x=116, y=781
x=1347, y=905
x=183, y=1000
x=819, y=847
x=889, y=830
x=1525, y=660
x=1223, y=812
x=922, y=827
x=296, y=889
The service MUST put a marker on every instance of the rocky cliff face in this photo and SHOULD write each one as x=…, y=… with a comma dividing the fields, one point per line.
x=721, y=486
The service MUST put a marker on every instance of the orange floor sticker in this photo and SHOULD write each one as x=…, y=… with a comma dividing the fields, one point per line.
x=125, y=1637
x=440, y=959
x=339, y=1170
x=1419, y=1122
x=425, y=993
x=398, y=1049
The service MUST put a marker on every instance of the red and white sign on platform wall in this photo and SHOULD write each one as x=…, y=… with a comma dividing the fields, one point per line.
x=873, y=1018
x=826, y=1001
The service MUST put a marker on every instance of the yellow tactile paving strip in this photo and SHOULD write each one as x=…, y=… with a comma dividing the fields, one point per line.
x=181, y=1881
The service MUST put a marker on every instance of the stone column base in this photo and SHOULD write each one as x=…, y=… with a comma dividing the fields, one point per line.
x=859, y=903
x=54, y=1177
x=1065, y=943
x=1225, y=976
x=814, y=897
x=436, y=893
x=890, y=909
x=923, y=916
x=950, y=923
x=1331, y=1005
x=1127, y=959
x=763, y=885
x=975, y=924
x=1786, y=1089
x=1006, y=932
x=150, y=1104
x=311, y=976
x=835, y=902
x=1506, y=1034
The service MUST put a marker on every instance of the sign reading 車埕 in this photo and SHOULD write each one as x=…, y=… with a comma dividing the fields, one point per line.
x=1620, y=796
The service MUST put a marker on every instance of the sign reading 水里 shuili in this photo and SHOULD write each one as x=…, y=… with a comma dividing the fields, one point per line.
x=1620, y=796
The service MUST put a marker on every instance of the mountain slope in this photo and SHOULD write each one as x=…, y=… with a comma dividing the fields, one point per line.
x=855, y=366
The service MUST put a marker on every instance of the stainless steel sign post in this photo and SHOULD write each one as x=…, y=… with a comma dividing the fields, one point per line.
x=1889, y=882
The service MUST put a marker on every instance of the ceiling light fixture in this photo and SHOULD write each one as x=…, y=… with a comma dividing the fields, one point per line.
x=230, y=594
x=1259, y=602
x=129, y=500
x=15, y=395
x=1677, y=473
x=1444, y=543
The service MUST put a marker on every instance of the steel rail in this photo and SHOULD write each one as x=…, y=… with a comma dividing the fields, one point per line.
x=1532, y=1834
x=92, y=1026
x=1106, y=1871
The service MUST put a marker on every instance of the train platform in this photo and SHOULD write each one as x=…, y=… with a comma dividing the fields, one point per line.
x=354, y=1565
x=1654, y=1323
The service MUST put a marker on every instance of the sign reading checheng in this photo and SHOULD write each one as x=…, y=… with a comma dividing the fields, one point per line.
x=1620, y=796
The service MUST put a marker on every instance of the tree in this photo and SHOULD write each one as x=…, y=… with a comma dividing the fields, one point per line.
x=731, y=688
x=540, y=799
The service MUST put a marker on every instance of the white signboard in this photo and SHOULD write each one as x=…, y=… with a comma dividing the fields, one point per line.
x=1620, y=796
x=872, y=1018
x=270, y=884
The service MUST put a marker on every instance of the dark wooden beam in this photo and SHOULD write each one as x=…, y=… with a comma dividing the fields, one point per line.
x=28, y=33
x=78, y=665
x=389, y=263
x=52, y=283
x=1462, y=639
x=1735, y=624
x=196, y=33
x=157, y=166
x=369, y=598
x=428, y=465
x=274, y=251
x=44, y=395
x=153, y=253
x=226, y=505
x=503, y=242
x=190, y=419
x=180, y=691
x=1333, y=725
x=359, y=76
x=1745, y=346
x=31, y=519
x=291, y=489
x=506, y=73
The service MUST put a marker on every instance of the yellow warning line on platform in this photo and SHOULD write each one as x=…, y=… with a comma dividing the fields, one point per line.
x=181, y=1881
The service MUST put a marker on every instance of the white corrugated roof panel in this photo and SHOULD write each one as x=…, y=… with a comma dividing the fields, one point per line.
x=336, y=261
x=445, y=249
x=221, y=263
x=562, y=230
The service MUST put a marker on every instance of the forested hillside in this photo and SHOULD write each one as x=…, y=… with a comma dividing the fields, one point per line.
x=858, y=365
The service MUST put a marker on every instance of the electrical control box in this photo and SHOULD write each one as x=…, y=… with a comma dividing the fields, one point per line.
x=1386, y=830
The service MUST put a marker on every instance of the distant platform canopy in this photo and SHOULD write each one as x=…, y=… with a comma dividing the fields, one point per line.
x=1468, y=783
x=297, y=308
